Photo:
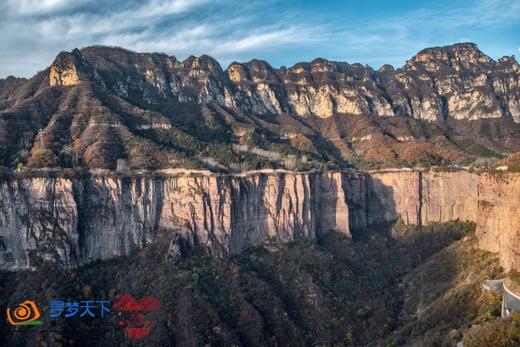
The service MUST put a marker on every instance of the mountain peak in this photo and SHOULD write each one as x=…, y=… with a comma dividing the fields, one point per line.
x=466, y=53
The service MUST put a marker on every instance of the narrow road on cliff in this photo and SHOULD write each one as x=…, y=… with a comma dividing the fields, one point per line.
x=511, y=301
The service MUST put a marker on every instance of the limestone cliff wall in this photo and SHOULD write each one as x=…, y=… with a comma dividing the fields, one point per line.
x=394, y=194
x=498, y=220
x=38, y=220
x=449, y=196
x=429, y=86
x=492, y=201
x=74, y=221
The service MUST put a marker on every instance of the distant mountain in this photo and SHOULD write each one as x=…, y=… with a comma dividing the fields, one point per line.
x=98, y=105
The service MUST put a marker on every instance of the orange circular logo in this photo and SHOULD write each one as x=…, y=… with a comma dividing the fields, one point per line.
x=26, y=313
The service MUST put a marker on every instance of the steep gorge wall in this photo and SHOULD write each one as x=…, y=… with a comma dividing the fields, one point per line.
x=498, y=220
x=421, y=197
x=74, y=221
x=490, y=200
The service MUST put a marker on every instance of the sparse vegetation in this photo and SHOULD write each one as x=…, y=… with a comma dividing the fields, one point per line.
x=496, y=332
x=393, y=285
x=43, y=158
x=512, y=282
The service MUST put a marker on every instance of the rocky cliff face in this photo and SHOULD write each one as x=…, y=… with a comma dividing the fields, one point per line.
x=490, y=200
x=99, y=106
x=457, y=81
x=498, y=220
x=74, y=221
x=63, y=72
x=38, y=221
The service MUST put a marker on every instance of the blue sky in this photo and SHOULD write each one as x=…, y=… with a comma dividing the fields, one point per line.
x=282, y=32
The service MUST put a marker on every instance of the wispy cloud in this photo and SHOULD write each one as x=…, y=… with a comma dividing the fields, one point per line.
x=398, y=36
x=33, y=32
x=21, y=8
x=179, y=27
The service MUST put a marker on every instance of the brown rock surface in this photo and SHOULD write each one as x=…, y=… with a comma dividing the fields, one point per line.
x=449, y=196
x=80, y=220
x=74, y=221
x=498, y=222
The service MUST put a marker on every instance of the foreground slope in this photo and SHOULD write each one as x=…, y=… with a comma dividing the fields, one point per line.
x=369, y=292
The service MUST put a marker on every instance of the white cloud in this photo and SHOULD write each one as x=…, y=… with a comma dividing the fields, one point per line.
x=39, y=7
x=180, y=27
x=33, y=32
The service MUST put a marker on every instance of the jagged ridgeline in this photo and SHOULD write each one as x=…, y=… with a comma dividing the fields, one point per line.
x=100, y=106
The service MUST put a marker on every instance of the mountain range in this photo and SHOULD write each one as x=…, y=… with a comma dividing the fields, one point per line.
x=95, y=106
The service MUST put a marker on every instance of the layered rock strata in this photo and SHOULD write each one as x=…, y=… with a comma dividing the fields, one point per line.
x=75, y=221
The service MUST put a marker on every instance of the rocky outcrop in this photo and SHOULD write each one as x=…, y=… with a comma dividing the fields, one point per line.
x=456, y=81
x=75, y=221
x=63, y=71
x=63, y=75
